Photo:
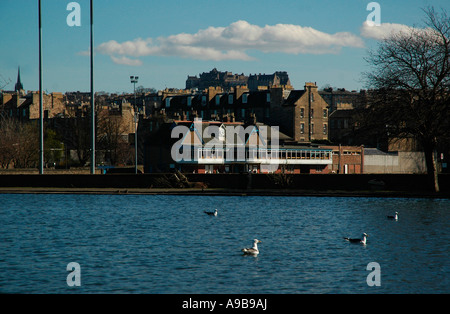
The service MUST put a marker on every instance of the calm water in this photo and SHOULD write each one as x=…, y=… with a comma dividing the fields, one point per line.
x=166, y=244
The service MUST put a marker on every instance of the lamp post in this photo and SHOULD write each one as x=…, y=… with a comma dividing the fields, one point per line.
x=41, y=99
x=134, y=80
x=92, y=93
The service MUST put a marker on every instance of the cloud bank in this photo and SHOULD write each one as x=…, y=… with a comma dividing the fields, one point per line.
x=382, y=31
x=237, y=40
x=233, y=42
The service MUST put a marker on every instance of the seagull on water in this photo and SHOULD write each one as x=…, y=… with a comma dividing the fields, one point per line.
x=253, y=250
x=362, y=240
x=214, y=213
x=395, y=217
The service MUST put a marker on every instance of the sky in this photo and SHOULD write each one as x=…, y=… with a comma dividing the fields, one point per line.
x=162, y=42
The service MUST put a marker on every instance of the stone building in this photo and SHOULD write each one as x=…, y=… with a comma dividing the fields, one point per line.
x=26, y=107
x=301, y=114
x=342, y=123
x=262, y=81
x=216, y=78
x=227, y=80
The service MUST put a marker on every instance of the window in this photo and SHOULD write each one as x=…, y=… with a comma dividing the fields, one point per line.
x=302, y=113
x=312, y=128
x=243, y=113
x=302, y=128
x=312, y=113
x=203, y=100
x=267, y=113
x=325, y=128
x=325, y=113
x=268, y=97
x=167, y=102
x=230, y=99
x=217, y=100
x=189, y=101
x=244, y=98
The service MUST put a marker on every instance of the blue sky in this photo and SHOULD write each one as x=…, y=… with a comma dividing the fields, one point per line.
x=163, y=42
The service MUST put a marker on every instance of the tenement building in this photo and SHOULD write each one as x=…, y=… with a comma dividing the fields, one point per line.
x=300, y=114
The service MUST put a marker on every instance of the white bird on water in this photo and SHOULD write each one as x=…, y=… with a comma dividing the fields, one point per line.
x=395, y=217
x=253, y=250
x=214, y=213
x=362, y=240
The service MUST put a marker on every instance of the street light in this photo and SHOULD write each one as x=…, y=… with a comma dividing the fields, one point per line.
x=41, y=99
x=134, y=80
x=93, y=136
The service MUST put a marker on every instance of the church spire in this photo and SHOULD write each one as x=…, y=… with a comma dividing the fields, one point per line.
x=19, y=85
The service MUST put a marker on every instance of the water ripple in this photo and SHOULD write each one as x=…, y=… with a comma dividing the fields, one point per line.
x=166, y=244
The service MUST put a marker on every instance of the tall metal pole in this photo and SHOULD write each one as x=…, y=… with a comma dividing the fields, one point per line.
x=92, y=94
x=136, y=116
x=41, y=100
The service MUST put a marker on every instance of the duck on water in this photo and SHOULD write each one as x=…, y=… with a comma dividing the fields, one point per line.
x=214, y=213
x=395, y=217
x=362, y=240
x=253, y=250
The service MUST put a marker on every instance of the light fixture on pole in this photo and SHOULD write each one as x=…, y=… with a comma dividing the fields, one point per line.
x=134, y=80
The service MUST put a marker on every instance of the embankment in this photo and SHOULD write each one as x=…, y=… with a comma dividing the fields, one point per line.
x=407, y=185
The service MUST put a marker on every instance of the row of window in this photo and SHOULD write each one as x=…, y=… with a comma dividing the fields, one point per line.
x=24, y=112
x=312, y=130
x=253, y=154
x=217, y=100
x=215, y=112
x=311, y=115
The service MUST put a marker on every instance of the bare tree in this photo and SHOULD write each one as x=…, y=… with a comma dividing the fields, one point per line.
x=409, y=82
x=113, y=138
x=19, y=144
x=75, y=133
x=7, y=142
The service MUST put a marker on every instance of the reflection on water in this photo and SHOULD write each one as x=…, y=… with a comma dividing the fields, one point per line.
x=167, y=244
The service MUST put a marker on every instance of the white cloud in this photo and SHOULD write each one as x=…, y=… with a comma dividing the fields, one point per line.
x=382, y=31
x=232, y=43
x=126, y=61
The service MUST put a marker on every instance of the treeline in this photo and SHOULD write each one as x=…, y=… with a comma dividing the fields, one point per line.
x=67, y=142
